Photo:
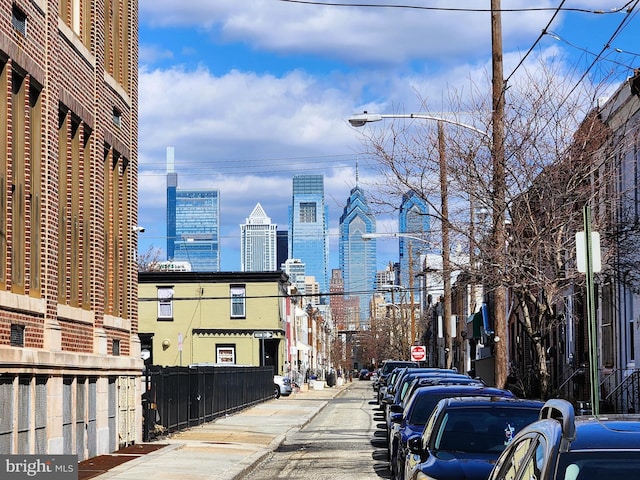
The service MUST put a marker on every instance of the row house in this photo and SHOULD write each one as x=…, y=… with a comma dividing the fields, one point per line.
x=548, y=334
x=215, y=318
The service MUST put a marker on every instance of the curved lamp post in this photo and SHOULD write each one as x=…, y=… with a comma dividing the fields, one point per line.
x=362, y=119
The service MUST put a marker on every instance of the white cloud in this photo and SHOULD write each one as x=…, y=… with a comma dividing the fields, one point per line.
x=247, y=132
x=354, y=34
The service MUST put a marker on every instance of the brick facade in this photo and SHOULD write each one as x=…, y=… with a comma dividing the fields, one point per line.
x=69, y=342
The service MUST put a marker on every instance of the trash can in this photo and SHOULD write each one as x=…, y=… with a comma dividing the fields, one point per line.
x=331, y=379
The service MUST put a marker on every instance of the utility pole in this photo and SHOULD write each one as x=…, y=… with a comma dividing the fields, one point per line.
x=446, y=264
x=499, y=197
x=411, y=297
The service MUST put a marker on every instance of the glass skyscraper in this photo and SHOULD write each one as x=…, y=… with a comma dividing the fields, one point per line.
x=414, y=220
x=197, y=238
x=258, y=242
x=309, y=228
x=193, y=223
x=358, y=256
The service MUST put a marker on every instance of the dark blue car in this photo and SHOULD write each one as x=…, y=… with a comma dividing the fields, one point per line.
x=464, y=437
x=411, y=421
x=562, y=446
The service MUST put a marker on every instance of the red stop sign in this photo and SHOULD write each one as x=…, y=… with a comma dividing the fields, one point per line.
x=418, y=353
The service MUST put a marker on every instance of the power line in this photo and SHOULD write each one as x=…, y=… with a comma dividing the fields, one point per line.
x=553, y=17
x=455, y=9
x=618, y=50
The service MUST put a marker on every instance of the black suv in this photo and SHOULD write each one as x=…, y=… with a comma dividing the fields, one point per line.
x=561, y=446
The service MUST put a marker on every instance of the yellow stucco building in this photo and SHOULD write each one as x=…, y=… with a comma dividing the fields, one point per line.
x=222, y=317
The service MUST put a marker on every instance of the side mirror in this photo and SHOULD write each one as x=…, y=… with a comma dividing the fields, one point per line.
x=396, y=418
x=415, y=445
x=395, y=408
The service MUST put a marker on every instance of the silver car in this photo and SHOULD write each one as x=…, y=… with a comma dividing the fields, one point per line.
x=281, y=386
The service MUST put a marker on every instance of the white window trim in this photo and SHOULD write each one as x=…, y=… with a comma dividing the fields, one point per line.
x=165, y=303
x=238, y=293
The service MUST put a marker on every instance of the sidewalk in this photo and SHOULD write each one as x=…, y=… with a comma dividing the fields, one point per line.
x=224, y=449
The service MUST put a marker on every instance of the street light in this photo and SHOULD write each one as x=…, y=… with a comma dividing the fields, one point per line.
x=360, y=120
x=364, y=118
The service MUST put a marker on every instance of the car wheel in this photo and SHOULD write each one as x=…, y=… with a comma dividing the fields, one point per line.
x=393, y=459
x=399, y=471
x=276, y=391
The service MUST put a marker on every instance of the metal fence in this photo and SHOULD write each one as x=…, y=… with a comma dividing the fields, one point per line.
x=176, y=398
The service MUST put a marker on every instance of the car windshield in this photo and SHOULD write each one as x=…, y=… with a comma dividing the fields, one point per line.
x=599, y=465
x=422, y=407
x=483, y=429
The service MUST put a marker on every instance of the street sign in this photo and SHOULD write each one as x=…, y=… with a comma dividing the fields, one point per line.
x=263, y=334
x=418, y=353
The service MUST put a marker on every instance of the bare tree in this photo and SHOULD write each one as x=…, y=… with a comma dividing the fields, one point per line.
x=550, y=142
x=148, y=260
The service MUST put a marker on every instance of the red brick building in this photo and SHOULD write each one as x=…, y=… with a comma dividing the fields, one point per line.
x=69, y=351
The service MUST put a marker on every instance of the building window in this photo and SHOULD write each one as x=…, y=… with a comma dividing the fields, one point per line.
x=238, y=299
x=17, y=335
x=117, y=35
x=115, y=347
x=165, y=303
x=226, y=354
x=4, y=126
x=117, y=117
x=19, y=20
x=18, y=194
x=76, y=14
x=307, y=212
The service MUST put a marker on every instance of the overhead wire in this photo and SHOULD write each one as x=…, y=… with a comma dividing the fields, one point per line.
x=588, y=52
x=451, y=9
x=533, y=46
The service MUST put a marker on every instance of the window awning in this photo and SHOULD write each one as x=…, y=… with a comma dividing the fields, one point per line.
x=474, y=322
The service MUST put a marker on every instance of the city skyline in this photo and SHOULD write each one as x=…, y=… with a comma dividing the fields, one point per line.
x=412, y=214
x=247, y=105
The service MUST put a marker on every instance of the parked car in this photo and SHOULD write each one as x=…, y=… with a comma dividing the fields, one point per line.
x=408, y=420
x=364, y=374
x=562, y=446
x=396, y=393
x=381, y=387
x=281, y=386
x=388, y=366
x=464, y=437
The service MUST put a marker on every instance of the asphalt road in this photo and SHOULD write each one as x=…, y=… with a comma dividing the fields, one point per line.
x=343, y=441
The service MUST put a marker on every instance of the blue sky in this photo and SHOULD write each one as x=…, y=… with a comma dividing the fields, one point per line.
x=252, y=92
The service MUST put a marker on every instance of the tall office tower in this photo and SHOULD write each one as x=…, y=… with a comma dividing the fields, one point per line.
x=193, y=223
x=414, y=220
x=282, y=246
x=172, y=186
x=198, y=229
x=309, y=228
x=295, y=268
x=258, y=242
x=358, y=256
